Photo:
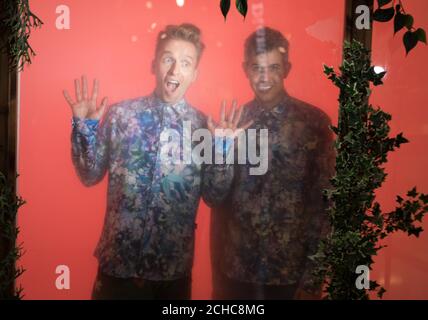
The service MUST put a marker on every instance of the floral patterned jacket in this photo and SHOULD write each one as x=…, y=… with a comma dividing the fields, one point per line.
x=151, y=203
x=264, y=227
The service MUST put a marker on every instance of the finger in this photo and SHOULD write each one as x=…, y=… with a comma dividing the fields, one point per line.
x=242, y=129
x=102, y=107
x=223, y=112
x=232, y=112
x=68, y=98
x=238, y=117
x=85, y=88
x=77, y=88
x=247, y=125
x=95, y=91
x=210, y=124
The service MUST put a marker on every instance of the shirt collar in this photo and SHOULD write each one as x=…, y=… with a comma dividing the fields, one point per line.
x=180, y=108
x=278, y=111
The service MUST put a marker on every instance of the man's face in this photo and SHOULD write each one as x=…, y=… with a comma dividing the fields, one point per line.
x=266, y=73
x=175, y=67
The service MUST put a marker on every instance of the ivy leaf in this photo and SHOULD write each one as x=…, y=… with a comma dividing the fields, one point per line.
x=400, y=139
x=421, y=35
x=383, y=15
x=381, y=292
x=410, y=40
x=415, y=231
x=334, y=129
x=225, y=7
x=242, y=7
x=378, y=78
x=328, y=70
x=412, y=193
x=401, y=21
x=381, y=3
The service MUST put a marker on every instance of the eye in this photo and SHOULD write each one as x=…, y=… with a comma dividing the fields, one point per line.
x=257, y=69
x=275, y=68
x=168, y=60
x=186, y=64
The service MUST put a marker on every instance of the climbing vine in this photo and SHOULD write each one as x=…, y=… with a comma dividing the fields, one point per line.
x=16, y=23
x=9, y=205
x=402, y=20
x=363, y=144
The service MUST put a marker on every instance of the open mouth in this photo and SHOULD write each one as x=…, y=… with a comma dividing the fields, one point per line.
x=263, y=87
x=172, y=85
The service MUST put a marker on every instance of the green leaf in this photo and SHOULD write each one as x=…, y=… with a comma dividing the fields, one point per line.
x=328, y=70
x=377, y=79
x=381, y=292
x=410, y=41
x=242, y=7
x=421, y=35
x=400, y=139
x=225, y=7
x=383, y=15
x=401, y=21
x=381, y=3
x=412, y=193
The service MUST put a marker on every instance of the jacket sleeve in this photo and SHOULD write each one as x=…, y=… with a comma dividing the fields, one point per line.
x=90, y=146
x=322, y=170
x=217, y=178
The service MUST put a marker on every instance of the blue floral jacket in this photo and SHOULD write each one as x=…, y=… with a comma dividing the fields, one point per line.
x=265, y=227
x=151, y=204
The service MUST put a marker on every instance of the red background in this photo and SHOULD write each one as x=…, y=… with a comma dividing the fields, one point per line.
x=114, y=41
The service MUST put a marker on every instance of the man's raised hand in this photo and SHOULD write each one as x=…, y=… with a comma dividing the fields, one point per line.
x=85, y=107
x=229, y=123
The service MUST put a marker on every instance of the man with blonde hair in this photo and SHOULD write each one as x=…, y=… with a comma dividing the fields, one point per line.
x=147, y=242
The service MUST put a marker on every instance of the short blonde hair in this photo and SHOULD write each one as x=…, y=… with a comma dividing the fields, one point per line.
x=186, y=32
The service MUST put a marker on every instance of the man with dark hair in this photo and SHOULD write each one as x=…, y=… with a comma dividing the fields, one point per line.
x=265, y=227
x=147, y=242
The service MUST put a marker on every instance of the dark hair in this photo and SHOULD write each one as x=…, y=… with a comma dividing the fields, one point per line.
x=264, y=40
x=185, y=31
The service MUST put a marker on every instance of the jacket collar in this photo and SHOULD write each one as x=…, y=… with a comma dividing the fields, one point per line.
x=279, y=111
x=179, y=108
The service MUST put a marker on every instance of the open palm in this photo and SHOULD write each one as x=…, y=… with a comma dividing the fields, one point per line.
x=85, y=107
x=229, y=121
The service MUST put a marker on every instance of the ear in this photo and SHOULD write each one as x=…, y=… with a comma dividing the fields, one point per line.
x=244, y=68
x=195, y=75
x=287, y=69
x=153, y=66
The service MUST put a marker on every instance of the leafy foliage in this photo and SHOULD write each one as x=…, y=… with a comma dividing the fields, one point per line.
x=16, y=21
x=401, y=20
x=241, y=6
x=362, y=145
x=9, y=205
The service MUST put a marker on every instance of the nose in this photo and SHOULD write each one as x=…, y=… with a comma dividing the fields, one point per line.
x=175, y=69
x=264, y=75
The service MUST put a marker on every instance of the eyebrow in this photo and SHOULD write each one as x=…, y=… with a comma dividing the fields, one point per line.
x=271, y=65
x=165, y=52
x=170, y=52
